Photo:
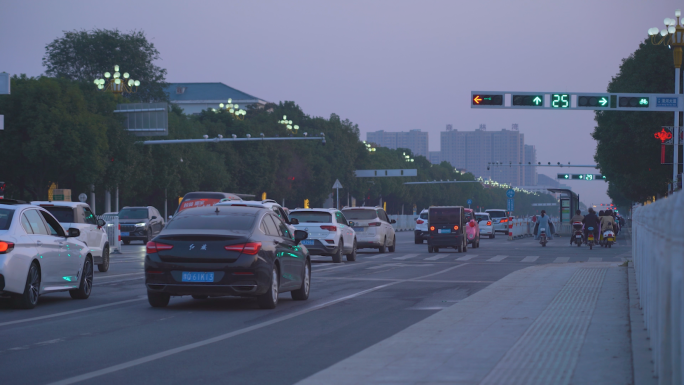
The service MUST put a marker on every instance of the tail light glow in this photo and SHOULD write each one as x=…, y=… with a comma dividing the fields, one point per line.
x=374, y=224
x=472, y=223
x=432, y=228
x=456, y=227
x=329, y=228
x=250, y=248
x=154, y=247
x=6, y=247
x=489, y=223
x=504, y=220
x=420, y=221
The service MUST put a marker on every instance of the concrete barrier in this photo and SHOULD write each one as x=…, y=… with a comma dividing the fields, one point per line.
x=404, y=222
x=113, y=230
x=658, y=255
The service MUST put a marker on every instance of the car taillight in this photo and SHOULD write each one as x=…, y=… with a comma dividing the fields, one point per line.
x=420, y=221
x=6, y=247
x=489, y=223
x=250, y=248
x=329, y=228
x=456, y=227
x=374, y=224
x=504, y=220
x=432, y=228
x=154, y=247
x=472, y=223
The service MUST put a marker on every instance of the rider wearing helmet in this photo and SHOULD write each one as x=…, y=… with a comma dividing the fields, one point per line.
x=591, y=220
x=578, y=217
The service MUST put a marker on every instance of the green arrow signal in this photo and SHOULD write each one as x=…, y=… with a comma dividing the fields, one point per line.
x=537, y=100
x=603, y=101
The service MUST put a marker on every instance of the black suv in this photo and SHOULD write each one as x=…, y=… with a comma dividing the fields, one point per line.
x=139, y=223
x=445, y=228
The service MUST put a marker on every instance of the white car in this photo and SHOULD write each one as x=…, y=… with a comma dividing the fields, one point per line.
x=485, y=222
x=38, y=257
x=421, y=227
x=499, y=219
x=268, y=204
x=373, y=228
x=329, y=233
x=79, y=216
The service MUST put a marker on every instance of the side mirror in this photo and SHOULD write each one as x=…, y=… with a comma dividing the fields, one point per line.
x=294, y=221
x=73, y=233
x=393, y=221
x=101, y=222
x=300, y=235
x=351, y=223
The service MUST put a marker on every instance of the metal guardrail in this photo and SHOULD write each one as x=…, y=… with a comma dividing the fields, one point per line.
x=404, y=222
x=113, y=230
x=658, y=255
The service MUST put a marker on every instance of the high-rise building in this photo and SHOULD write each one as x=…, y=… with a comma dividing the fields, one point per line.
x=530, y=171
x=414, y=140
x=435, y=157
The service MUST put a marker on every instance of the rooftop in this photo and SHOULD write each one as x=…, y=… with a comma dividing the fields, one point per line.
x=206, y=91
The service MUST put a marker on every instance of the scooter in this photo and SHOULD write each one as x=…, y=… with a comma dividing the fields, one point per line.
x=542, y=236
x=590, y=237
x=608, y=238
x=578, y=236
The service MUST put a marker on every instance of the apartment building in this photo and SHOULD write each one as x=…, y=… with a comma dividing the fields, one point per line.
x=414, y=140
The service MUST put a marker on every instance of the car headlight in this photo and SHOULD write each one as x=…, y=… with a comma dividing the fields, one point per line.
x=140, y=224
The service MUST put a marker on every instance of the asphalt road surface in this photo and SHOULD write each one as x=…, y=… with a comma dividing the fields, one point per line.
x=115, y=337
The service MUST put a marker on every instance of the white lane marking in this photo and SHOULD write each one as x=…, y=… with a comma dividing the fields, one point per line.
x=498, y=258
x=378, y=256
x=100, y=276
x=180, y=349
x=530, y=259
x=467, y=257
x=407, y=256
x=436, y=257
x=342, y=264
x=384, y=266
x=561, y=260
x=595, y=259
x=70, y=312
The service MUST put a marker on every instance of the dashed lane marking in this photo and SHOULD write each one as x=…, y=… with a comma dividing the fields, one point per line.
x=595, y=259
x=407, y=256
x=530, y=259
x=561, y=260
x=436, y=257
x=467, y=257
x=498, y=258
x=378, y=256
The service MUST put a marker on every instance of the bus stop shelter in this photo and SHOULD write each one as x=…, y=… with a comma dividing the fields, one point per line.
x=569, y=202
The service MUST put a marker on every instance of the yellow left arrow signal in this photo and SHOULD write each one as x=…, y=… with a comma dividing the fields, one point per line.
x=477, y=99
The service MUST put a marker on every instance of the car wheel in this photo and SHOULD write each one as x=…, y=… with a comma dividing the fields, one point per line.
x=158, y=299
x=197, y=296
x=430, y=249
x=337, y=257
x=383, y=249
x=149, y=235
x=418, y=241
x=269, y=300
x=351, y=257
x=394, y=245
x=29, y=298
x=86, y=285
x=460, y=248
x=465, y=246
x=302, y=293
x=104, y=266
x=125, y=242
x=478, y=242
x=436, y=249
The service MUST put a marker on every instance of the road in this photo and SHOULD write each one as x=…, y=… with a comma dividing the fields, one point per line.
x=115, y=337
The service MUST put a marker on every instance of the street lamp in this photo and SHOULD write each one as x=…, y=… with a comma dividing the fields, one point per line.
x=117, y=83
x=407, y=158
x=288, y=124
x=368, y=146
x=672, y=36
x=233, y=108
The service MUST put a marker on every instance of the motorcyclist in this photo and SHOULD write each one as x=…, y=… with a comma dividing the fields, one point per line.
x=607, y=222
x=591, y=220
x=544, y=222
x=578, y=217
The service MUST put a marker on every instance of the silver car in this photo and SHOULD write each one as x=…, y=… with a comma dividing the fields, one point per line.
x=38, y=257
x=373, y=228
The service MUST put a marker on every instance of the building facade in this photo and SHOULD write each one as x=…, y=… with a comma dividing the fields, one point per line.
x=435, y=157
x=195, y=97
x=531, y=177
x=414, y=140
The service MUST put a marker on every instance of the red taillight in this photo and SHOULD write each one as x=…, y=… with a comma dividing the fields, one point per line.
x=504, y=220
x=154, y=247
x=472, y=223
x=250, y=248
x=374, y=224
x=329, y=228
x=456, y=227
x=420, y=221
x=6, y=247
x=432, y=228
x=489, y=223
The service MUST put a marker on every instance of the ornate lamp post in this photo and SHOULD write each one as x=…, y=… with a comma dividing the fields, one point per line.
x=407, y=158
x=369, y=148
x=288, y=124
x=233, y=109
x=118, y=84
x=672, y=36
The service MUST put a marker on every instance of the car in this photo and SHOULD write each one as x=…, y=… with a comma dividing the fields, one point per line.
x=499, y=219
x=267, y=203
x=329, y=233
x=204, y=198
x=445, y=227
x=227, y=251
x=38, y=257
x=485, y=223
x=472, y=228
x=139, y=223
x=79, y=215
x=373, y=228
x=421, y=227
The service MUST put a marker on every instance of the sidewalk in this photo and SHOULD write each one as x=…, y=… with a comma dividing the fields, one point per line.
x=546, y=324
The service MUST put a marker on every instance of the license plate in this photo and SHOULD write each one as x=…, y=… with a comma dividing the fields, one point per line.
x=611, y=239
x=591, y=238
x=358, y=229
x=192, y=276
x=125, y=233
x=308, y=242
x=445, y=231
x=578, y=236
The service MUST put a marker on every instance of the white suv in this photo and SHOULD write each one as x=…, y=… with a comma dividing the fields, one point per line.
x=78, y=215
x=486, y=226
x=329, y=233
x=499, y=219
x=373, y=228
x=268, y=204
x=421, y=227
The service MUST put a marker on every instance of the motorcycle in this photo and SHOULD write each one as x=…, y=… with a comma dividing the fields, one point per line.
x=542, y=236
x=578, y=236
x=608, y=238
x=590, y=237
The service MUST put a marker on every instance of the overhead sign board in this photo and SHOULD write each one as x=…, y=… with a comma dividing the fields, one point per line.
x=385, y=173
x=581, y=176
x=577, y=101
x=145, y=119
x=509, y=205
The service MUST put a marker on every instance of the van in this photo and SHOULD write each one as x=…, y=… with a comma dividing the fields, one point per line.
x=445, y=228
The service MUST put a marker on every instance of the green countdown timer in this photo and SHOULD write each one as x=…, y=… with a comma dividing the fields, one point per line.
x=560, y=100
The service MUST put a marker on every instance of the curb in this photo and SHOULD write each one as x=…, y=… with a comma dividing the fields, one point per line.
x=642, y=358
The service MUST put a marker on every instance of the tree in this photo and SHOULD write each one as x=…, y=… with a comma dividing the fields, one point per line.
x=626, y=151
x=87, y=55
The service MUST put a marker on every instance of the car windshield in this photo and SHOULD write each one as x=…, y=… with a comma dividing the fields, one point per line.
x=63, y=214
x=445, y=215
x=423, y=215
x=237, y=222
x=481, y=217
x=312, y=217
x=497, y=214
x=6, y=218
x=133, y=214
x=360, y=214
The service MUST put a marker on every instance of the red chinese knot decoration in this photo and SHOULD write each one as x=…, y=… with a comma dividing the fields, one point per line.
x=663, y=135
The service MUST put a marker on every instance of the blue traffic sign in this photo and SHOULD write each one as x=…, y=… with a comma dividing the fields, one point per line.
x=470, y=201
x=666, y=102
x=510, y=193
x=509, y=206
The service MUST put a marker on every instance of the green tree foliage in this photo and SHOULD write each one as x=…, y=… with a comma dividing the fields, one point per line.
x=87, y=55
x=627, y=152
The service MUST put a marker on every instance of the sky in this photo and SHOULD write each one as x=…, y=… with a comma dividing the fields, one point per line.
x=385, y=65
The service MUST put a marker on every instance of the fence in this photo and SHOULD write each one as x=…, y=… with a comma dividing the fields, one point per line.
x=404, y=222
x=518, y=228
x=113, y=230
x=658, y=255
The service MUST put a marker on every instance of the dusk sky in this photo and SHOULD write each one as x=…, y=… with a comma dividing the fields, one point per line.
x=385, y=65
